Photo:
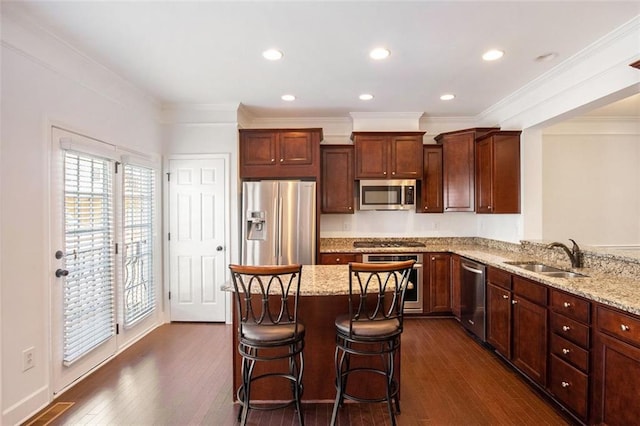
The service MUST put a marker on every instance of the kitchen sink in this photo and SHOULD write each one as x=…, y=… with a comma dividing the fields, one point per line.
x=564, y=274
x=541, y=268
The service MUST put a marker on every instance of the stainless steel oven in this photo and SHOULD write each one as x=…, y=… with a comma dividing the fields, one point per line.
x=413, y=295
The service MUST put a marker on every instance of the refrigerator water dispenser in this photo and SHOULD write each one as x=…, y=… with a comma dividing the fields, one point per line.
x=255, y=225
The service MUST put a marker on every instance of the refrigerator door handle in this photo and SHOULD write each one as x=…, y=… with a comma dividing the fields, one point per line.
x=276, y=230
x=279, y=237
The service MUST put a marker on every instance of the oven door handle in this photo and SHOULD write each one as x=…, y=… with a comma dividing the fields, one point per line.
x=474, y=270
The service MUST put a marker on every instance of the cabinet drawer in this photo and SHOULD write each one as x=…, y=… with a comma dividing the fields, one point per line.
x=529, y=290
x=623, y=326
x=569, y=329
x=570, y=306
x=569, y=385
x=499, y=277
x=338, y=258
x=570, y=352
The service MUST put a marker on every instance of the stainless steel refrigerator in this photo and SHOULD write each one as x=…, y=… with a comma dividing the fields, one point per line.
x=278, y=222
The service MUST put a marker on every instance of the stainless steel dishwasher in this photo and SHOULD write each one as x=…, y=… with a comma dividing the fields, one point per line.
x=472, y=295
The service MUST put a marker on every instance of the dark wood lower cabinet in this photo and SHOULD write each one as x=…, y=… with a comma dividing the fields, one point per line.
x=456, y=280
x=499, y=319
x=529, y=338
x=569, y=385
x=616, y=370
x=437, y=282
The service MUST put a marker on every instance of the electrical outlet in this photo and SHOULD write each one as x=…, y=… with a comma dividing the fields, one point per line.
x=28, y=358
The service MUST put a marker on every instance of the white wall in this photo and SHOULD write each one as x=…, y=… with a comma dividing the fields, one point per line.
x=591, y=182
x=44, y=82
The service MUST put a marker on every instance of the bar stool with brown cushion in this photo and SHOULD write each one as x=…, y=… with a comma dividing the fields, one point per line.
x=268, y=329
x=372, y=328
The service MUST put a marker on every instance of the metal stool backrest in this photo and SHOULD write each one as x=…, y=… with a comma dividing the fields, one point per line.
x=377, y=290
x=266, y=295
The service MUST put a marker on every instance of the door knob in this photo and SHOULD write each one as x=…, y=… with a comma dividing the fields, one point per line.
x=219, y=248
x=61, y=273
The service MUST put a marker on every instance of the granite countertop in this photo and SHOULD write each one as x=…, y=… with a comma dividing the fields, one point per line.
x=621, y=291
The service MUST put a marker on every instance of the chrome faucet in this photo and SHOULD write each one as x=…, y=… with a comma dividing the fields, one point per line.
x=575, y=255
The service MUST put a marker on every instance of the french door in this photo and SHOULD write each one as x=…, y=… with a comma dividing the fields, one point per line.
x=102, y=252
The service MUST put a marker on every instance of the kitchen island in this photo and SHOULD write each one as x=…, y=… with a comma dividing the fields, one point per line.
x=324, y=293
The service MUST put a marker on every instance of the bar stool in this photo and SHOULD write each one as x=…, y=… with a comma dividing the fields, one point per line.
x=372, y=328
x=268, y=329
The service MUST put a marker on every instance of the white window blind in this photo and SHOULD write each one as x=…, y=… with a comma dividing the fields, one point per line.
x=138, y=203
x=89, y=312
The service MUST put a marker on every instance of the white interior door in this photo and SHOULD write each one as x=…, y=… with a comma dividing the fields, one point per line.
x=197, y=252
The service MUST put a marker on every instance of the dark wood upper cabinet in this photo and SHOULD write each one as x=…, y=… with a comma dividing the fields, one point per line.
x=337, y=179
x=280, y=153
x=388, y=155
x=458, y=158
x=498, y=172
x=430, y=200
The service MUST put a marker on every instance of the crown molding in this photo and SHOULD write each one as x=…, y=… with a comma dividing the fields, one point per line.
x=29, y=39
x=605, y=59
x=204, y=114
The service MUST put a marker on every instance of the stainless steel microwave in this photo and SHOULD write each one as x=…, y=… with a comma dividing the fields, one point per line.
x=387, y=194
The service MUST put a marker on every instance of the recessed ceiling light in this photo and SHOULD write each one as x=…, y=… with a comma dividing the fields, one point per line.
x=547, y=57
x=447, y=97
x=366, y=97
x=379, y=53
x=492, y=55
x=288, y=98
x=272, y=54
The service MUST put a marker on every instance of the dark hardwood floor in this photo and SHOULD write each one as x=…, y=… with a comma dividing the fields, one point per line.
x=181, y=375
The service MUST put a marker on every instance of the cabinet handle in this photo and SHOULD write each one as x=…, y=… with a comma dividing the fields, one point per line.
x=282, y=160
x=565, y=351
x=349, y=207
x=514, y=302
x=505, y=296
x=337, y=259
x=426, y=208
x=384, y=173
x=566, y=304
x=565, y=384
x=273, y=160
x=566, y=328
x=624, y=327
x=433, y=258
x=393, y=173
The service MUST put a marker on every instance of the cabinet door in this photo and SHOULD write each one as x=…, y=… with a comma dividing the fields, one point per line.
x=431, y=194
x=339, y=258
x=456, y=280
x=371, y=156
x=406, y=157
x=530, y=339
x=295, y=149
x=498, y=173
x=616, y=382
x=484, y=181
x=337, y=179
x=258, y=149
x=439, y=282
x=458, y=172
x=499, y=319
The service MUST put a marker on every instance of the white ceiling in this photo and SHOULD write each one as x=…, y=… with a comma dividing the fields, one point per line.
x=209, y=52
